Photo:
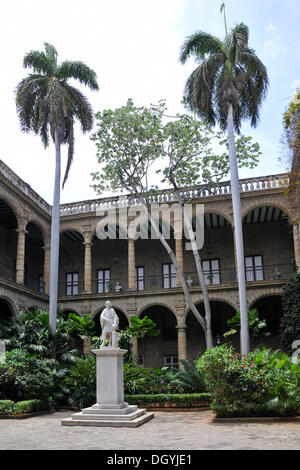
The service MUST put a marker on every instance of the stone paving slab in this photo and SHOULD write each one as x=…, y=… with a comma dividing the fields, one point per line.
x=166, y=431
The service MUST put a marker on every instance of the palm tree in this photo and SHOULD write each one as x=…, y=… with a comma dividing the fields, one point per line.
x=227, y=86
x=46, y=102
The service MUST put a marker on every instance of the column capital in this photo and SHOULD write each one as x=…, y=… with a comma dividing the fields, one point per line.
x=21, y=230
x=87, y=243
x=181, y=327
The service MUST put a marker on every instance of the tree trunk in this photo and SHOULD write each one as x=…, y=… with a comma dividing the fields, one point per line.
x=170, y=252
x=236, y=203
x=54, y=257
x=208, y=332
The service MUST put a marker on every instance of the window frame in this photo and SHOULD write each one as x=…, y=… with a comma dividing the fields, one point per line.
x=104, y=281
x=170, y=276
x=73, y=284
x=254, y=269
x=211, y=271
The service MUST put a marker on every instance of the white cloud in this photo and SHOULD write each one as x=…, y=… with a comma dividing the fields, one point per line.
x=274, y=46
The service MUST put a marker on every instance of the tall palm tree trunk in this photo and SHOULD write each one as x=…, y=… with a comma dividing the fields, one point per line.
x=236, y=202
x=54, y=257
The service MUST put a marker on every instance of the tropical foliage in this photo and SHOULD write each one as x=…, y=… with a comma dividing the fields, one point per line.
x=290, y=321
x=262, y=381
x=257, y=327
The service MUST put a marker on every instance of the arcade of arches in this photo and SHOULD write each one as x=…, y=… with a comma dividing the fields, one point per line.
x=137, y=275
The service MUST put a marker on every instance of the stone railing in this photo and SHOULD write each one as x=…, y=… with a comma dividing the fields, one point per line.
x=165, y=196
x=24, y=187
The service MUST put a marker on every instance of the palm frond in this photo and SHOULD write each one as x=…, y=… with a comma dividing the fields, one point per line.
x=79, y=71
x=70, y=140
x=199, y=45
x=38, y=62
x=51, y=54
x=77, y=105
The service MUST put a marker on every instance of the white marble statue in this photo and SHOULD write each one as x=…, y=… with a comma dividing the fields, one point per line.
x=109, y=321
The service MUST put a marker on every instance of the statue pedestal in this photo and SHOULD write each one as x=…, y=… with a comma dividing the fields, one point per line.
x=110, y=409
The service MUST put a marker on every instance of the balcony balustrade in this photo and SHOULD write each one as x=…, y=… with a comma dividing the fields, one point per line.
x=152, y=282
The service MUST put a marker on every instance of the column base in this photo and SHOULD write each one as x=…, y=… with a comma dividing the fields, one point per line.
x=130, y=416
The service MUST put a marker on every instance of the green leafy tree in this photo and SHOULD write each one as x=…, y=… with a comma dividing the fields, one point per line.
x=48, y=104
x=227, y=86
x=257, y=327
x=131, y=141
x=291, y=140
x=141, y=327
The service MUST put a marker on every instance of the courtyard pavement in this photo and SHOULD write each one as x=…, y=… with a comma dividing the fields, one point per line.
x=166, y=431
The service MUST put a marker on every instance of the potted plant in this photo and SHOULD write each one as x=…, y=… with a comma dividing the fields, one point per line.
x=210, y=278
x=110, y=286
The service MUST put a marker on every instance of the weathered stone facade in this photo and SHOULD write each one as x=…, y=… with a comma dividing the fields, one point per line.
x=270, y=233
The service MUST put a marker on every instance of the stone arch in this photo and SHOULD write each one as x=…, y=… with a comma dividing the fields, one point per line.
x=274, y=291
x=265, y=203
x=162, y=349
x=10, y=310
x=71, y=227
x=221, y=311
x=11, y=202
x=216, y=298
x=155, y=304
x=270, y=309
x=43, y=228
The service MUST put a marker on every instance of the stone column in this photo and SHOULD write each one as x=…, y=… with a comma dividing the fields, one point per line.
x=182, y=350
x=20, y=260
x=87, y=267
x=296, y=234
x=47, y=251
x=181, y=330
x=135, y=350
x=131, y=265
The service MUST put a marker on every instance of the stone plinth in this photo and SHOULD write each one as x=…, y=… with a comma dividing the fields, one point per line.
x=110, y=409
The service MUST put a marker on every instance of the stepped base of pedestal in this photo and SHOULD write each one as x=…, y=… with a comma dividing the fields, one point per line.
x=132, y=416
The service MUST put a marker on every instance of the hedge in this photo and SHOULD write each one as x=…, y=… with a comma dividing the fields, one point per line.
x=6, y=407
x=254, y=410
x=9, y=407
x=187, y=400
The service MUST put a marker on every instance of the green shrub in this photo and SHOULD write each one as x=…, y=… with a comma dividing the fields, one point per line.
x=189, y=379
x=28, y=406
x=81, y=382
x=290, y=321
x=33, y=334
x=25, y=376
x=6, y=407
x=277, y=409
x=186, y=400
x=142, y=380
x=256, y=379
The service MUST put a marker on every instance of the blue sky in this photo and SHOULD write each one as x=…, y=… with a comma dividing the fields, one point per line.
x=133, y=45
